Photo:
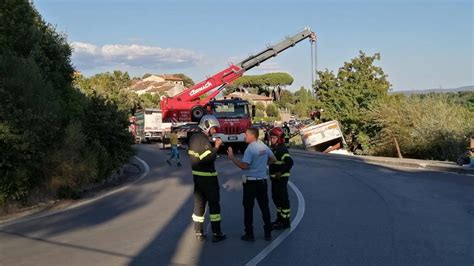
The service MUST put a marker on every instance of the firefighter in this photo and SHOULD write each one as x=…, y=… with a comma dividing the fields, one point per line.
x=206, y=184
x=286, y=129
x=279, y=175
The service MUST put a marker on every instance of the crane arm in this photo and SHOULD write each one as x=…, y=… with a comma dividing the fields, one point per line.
x=219, y=80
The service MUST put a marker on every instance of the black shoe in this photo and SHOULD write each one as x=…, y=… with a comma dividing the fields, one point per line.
x=218, y=237
x=200, y=237
x=179, y=164
x=248, y=238
x=281, y=226
x=168, y=161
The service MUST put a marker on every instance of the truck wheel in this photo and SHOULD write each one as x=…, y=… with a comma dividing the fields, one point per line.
x=197, y=113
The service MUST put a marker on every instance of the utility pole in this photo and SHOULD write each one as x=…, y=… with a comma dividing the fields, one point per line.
x=314, y=64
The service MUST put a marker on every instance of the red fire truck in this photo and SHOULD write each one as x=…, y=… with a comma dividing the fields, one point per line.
x=233, y=114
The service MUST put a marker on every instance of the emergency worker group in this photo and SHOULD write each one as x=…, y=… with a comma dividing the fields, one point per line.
x=255, y=178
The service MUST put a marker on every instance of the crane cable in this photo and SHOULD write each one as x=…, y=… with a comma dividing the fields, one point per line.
x=314, y=66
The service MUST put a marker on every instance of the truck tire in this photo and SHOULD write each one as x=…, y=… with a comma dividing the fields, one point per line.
x=197, y=113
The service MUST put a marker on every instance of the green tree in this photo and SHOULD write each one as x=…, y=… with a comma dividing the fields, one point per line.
x=304, y=102
x=272, y=110
x=286, y=99
x=347, y=96
x=148, y=100
x=266, y=83
x=47, y=141
x=111, y=86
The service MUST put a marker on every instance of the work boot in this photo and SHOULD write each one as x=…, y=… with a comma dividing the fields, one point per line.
x=168, y=161
x=284, y=224
x=277, y=221
x=201, y=237
x=199, y=229
x=179, y=164
x=218, y=237
x=248, y=238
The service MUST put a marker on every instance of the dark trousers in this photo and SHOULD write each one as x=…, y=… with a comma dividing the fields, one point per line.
x=206, y=191
x=280, y=198
x=256, y=189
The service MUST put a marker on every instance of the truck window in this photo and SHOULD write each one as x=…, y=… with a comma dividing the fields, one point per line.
x=230, y=110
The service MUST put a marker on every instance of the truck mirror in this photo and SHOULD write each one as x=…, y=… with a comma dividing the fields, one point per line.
x=253, y=111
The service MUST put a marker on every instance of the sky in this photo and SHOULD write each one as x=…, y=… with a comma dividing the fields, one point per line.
x=423, y=44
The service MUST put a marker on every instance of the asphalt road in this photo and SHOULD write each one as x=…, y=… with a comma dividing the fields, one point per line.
x=355, y=214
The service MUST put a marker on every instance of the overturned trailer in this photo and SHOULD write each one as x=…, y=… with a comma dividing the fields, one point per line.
x=326, y=137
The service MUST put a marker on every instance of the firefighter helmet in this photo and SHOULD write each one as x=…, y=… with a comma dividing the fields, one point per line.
x=207, y=122
x=278, y=131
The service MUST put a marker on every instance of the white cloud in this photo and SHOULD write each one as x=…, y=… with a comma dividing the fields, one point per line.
x=89, y=56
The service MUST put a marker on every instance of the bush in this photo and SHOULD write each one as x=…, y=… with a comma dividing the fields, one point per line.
x=426, y=128
x=272, y=110
x=53, y=138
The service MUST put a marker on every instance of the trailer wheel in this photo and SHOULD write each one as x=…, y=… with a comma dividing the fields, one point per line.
x=197, y=113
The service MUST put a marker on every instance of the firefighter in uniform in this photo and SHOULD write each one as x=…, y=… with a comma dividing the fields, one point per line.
x=279, y=175
x=206, y=184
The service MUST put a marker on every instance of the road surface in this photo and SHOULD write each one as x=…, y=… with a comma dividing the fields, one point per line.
x=355, y=214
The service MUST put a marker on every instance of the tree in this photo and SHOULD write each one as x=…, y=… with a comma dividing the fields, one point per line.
x=348, y=95
x=148, y=100
x=426, y=127
x=111, y=86
x=286, y=99
x=48, y=140
x=188, y=82
x=271, y=110
x=266, y=83
x=304, y=102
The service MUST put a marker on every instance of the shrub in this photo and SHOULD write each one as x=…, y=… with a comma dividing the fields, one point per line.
x=427, y=128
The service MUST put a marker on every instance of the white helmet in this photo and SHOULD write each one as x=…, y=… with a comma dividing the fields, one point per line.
x=207, y=122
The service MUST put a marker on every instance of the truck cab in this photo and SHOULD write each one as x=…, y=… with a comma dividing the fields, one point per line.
x=234, y=118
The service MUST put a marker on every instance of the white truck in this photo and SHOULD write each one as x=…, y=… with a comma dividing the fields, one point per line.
x=326, y=137
x=149, y=125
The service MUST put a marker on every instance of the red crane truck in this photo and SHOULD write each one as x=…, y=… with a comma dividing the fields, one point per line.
x=233, y=114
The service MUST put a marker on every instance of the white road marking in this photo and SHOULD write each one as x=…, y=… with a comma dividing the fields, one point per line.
x=299, y=215
x=82, y=203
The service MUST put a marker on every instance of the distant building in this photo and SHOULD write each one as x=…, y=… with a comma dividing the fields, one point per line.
x=254, y=98
x=159, y=84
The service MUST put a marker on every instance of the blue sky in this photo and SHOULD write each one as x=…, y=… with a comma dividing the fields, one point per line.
x=423, y=44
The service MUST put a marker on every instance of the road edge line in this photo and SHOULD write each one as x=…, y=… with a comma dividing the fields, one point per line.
x=299, y=216
x=79, y=204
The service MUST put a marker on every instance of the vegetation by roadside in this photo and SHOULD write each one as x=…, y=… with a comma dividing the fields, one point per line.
x=54, y=138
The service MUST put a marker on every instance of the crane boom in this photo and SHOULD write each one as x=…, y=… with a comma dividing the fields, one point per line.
x=188, y=106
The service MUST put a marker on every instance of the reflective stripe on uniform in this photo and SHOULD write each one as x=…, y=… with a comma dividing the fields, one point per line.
x=215, y=217
x=198, y=219
x=204, y=154
x=200, y=156
x=204, y=173
x=284, y=156
x=285, y=213
x=279, y=162
x=282, y=175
